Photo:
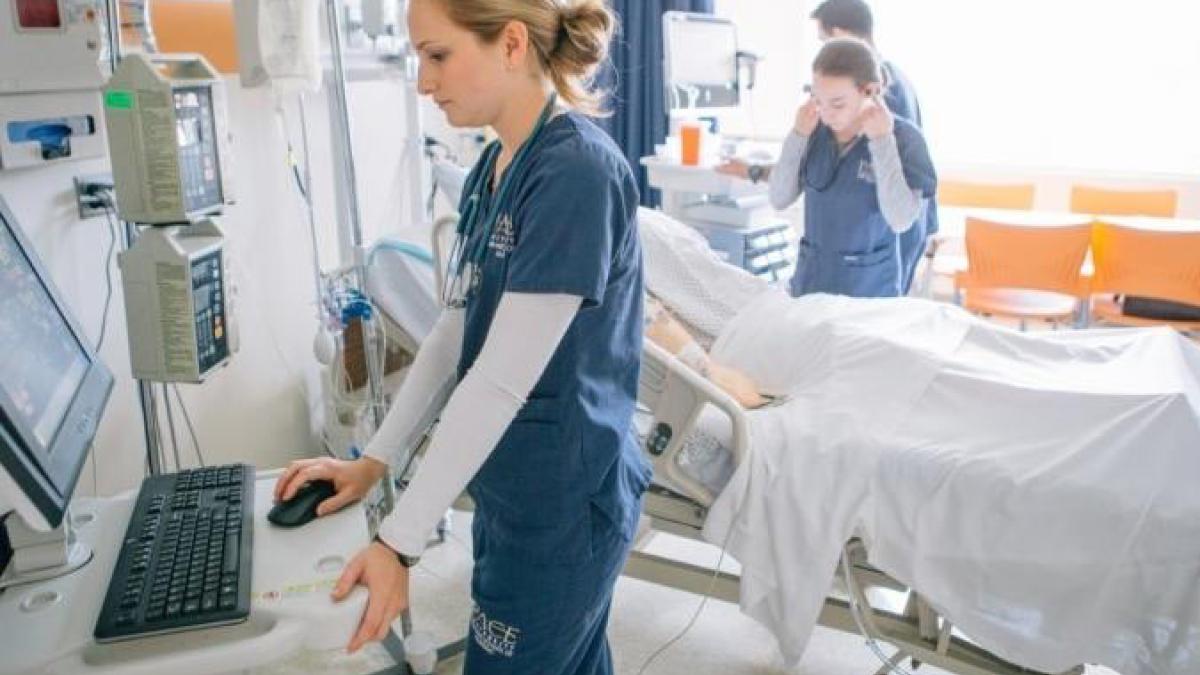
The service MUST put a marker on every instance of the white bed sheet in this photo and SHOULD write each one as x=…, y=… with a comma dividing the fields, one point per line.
x=1042, y=491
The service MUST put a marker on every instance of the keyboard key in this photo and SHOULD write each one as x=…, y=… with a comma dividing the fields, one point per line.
x=173, y=609
x=191, y=606
x=231, y=553
x=228, y=601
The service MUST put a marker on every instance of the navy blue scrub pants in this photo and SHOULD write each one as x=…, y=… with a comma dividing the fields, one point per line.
x=542, y=618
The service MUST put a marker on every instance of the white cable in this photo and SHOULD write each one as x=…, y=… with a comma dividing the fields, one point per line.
x=191, y=430
x=108, y=260
x=171, y=427
x=712, y=584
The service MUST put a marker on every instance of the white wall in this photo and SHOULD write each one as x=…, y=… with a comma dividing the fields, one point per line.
x=774, y=30
x=254, y=410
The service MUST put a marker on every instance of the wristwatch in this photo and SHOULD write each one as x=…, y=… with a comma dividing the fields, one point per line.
x=756, y=172
x=406, y=560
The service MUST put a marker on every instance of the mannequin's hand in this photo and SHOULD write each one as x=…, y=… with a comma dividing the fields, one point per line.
x=736, y=168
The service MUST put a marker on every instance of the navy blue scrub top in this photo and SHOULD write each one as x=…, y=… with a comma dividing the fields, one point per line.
x=900, y=96
x=848, y=247
x=568, y=472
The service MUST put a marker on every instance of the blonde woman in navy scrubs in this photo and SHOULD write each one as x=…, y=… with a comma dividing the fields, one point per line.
x=535, y=358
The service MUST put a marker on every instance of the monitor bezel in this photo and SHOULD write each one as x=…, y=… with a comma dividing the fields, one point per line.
x=711, y=98
x=48, y=486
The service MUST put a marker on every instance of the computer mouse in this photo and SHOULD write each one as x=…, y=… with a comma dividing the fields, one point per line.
x=302, y=507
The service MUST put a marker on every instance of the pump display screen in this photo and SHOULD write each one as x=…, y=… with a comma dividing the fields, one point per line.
x=38, y=14
x=212, y=343
x=196, y=136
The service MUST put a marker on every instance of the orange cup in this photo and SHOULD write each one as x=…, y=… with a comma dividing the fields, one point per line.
x=689, y=144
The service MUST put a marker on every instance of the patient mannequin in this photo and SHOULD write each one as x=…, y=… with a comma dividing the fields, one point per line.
x=663, y=330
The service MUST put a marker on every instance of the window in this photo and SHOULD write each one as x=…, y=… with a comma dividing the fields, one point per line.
x=1093, y=85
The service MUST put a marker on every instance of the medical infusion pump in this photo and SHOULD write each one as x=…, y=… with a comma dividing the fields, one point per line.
x=167, y=134
x=177, y=303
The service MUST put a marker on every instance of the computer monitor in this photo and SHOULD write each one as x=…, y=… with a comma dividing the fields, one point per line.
x=700, y=62
x=53, y=388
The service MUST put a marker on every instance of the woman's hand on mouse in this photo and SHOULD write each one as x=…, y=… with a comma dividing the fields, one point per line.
x=377, y=568
x=352, y=479
x=877, y=120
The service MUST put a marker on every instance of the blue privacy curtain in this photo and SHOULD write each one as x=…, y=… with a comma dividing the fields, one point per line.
x=636, y=80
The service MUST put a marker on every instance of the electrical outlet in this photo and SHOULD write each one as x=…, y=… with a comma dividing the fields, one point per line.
x=90, y=205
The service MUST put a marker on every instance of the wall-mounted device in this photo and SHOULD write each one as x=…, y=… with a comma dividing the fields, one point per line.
x=52, y=64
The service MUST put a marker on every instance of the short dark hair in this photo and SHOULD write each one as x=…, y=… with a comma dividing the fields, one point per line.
x=849, y=57
x=852, y=16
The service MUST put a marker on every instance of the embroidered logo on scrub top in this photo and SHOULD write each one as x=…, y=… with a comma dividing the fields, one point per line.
x=866, y=172
x=494, y=637
x=504, y=239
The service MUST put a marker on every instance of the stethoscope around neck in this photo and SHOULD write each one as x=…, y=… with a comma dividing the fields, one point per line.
x=831, y=161
x=476, y=223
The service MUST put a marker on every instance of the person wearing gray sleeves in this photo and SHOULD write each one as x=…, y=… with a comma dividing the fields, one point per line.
x=865, y=176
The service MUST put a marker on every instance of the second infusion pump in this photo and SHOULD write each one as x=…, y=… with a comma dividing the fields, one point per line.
x=165, y=117
x=176, y=285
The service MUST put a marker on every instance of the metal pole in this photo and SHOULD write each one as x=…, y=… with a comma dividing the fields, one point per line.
x=145, y=392
x=345, y=153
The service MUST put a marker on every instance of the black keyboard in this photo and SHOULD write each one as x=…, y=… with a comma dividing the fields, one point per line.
x=185, y=561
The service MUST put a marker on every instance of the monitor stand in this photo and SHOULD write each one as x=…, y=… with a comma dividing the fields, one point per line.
x=38, y=556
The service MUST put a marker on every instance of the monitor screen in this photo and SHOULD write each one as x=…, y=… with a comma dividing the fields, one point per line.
x=701, y=63
x=703, y=52
x=53, y=389
x=41, y=362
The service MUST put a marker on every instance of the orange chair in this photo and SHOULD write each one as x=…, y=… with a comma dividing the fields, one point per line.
x=1025, y=272
x=1107, y=202
x=1142, y=262
x=985, y=195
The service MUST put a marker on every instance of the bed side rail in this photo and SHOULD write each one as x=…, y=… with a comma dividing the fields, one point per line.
x=675, y=395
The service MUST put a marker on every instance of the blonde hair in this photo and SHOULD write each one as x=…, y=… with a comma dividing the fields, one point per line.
x=570, y=37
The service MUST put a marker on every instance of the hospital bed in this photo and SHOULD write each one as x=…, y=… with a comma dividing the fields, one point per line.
x=676, y=395
x=673, y=400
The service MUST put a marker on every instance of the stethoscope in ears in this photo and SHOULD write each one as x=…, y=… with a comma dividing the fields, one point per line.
x=476, y=222
x=823, y=157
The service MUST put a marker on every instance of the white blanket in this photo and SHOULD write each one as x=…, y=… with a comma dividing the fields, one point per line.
x=1042, y=491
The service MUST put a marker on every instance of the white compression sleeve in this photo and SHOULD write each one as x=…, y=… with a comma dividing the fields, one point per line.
x=429, y=383
x=524, y=335
x=899, y=203
x=785, y=175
